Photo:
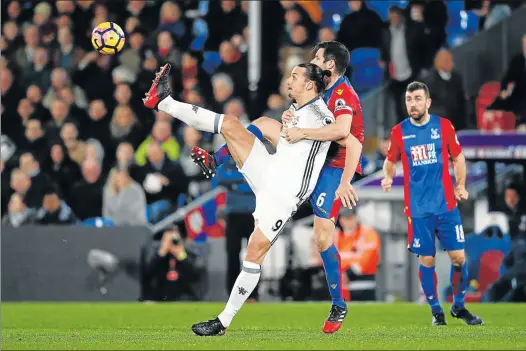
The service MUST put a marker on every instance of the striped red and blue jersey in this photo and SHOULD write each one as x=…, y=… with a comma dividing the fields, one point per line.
x=425, y=151
x=341, y=99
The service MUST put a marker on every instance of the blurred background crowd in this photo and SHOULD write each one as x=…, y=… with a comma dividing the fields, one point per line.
x=78, y=147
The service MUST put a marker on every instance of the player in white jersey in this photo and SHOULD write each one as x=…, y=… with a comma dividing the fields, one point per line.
x=276, y=200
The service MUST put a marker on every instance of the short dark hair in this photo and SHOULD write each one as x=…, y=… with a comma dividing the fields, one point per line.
x=334, y=50
x=315, y=74
x=414, y=86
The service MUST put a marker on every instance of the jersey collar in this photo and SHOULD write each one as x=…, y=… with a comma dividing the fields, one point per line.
x=328, y=92
x=307, y=104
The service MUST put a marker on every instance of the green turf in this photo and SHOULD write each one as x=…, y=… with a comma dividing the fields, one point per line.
x=258, y=326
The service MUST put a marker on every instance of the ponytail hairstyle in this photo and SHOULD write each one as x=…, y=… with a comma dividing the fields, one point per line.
x=316, y=75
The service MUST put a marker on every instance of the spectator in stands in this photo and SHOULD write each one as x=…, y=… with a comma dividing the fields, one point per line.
x=59, y=81
x=131, y=56
x=192, y=137
x=124, y=156
x=125, y=127
x=162, y=179
x=276, y=106
x=36, y=142
x=34, y=94
x=95, y=151
x=54, y=210
x=492, y=12
x=16, y=128
x=18, y=213
x=40, y=181
x=124, y=200
x=59, y=113
x=235, y=65
x=511, y=285
x=11, y=92
x=240, y=203
x=94, y=71
x=64, y=55
x=85, y=197
x=515, y=210
x=223, y=88
x=98, y=125
x=24, y=55
x=220, y=12
x=359, y=248
x=326, y=34
x=447, y=90
x=39, y=71
x=166, y=49
x=10, y=33
x=76, y=148
x=401, y=55
x=434, y=15
x=20, y=184
x=162, y=135
x=62, y=169
x=361, y=28
x=170, y=269
x=235, y=107
x=513, y=88
x=170, y=21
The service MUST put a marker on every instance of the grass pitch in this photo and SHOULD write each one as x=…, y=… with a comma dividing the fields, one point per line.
x=281, y=326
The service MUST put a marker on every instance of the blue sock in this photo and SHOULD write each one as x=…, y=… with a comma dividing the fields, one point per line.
x=333, y=273
x=459, y=282
x=223, y=154
x=428, y=279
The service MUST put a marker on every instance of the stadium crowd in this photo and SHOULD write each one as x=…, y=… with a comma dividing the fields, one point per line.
x=78, y=144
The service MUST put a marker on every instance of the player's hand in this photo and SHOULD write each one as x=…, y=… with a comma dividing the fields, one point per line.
x=287, y=117
x=461, y=193
x=293, y=135
x=347, y=195
x=387, y=182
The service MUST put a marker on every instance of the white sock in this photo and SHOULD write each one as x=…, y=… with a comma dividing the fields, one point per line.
x=195, y=116
x=245, y=283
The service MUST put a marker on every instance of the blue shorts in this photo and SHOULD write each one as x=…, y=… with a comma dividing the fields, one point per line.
x=446, y=226
x=322, y=199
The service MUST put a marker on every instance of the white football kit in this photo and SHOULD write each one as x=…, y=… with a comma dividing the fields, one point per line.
x=282, y=181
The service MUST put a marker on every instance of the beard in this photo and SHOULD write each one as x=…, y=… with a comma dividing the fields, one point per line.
x=419, y=116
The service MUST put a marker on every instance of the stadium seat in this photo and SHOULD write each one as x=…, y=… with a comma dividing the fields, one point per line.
x=366, y=72
x=212, y=60
x=98, y=222
x=489, y=272
x=198, y=44
x=492, y=120
x=200, y=28
x=333, y=13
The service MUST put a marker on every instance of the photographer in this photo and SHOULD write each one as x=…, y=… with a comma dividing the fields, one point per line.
x=170, y=268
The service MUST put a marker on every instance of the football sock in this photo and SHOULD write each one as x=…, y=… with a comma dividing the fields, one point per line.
x=428, y=279
x=459, y=282
x=245, y=284
x=195, y=116
x=223, y=154
x=331, y=263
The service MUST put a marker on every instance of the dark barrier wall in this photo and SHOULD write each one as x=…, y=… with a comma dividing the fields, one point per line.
x=50, y=263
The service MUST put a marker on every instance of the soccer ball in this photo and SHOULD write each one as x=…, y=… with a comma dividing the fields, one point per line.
x=108, y=38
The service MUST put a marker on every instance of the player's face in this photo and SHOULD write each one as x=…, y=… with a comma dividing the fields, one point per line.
x=296, y=84
x=417, y=103
x=319, y=59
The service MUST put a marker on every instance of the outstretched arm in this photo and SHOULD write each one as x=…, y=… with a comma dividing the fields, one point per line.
x=336, y=131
